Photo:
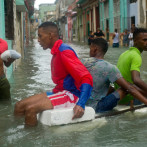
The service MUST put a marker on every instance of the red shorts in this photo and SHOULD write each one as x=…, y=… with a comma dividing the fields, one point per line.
x=63, y=99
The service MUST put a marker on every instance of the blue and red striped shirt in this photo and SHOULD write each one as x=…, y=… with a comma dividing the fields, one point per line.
x=68, y=73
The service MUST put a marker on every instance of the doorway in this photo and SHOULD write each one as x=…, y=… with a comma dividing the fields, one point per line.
x=132, y=20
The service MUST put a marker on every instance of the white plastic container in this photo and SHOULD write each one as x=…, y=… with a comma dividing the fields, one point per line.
x=64, y=116
x=10, y=54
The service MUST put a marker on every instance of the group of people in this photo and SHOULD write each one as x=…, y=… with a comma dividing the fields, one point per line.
x=86, y=81
x=98, y=34
x=127, y=37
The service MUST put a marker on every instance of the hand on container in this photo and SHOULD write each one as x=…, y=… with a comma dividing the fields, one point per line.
x=78, y=112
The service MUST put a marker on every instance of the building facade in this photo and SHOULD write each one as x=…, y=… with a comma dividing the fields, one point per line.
x=46, y=12
x=80, y=17
x=14, y=26
x=142, y=13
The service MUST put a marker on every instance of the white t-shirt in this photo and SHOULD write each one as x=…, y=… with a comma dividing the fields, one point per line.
x=130, y=36
x=116, y=38
x=131, y=42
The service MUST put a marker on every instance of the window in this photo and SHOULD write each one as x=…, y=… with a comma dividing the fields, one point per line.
x=9, y=23
x=133, y=20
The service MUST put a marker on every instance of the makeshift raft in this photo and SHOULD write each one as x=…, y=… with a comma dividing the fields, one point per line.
x=64, y=116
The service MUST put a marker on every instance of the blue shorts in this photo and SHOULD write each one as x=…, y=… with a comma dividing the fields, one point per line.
x=108, y=103
x=115, y=44
x=49, y=93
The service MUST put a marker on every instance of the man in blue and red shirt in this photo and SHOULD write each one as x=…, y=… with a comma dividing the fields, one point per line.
x=73, y=81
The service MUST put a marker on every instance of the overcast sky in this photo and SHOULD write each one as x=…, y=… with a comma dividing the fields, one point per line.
x=38, y=2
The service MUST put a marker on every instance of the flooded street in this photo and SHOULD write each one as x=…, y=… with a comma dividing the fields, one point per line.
x=33, y=76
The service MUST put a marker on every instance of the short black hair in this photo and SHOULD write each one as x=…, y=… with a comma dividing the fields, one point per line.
x=102, y=43
x=49, y=24
x=115, y=30
x=137, y=31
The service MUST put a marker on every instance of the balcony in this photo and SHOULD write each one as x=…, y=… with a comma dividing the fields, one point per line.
x=81, y=1
x=20, y=6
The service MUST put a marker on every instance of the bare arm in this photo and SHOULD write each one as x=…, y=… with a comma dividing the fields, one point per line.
x=113, y=36
x=9, y=62
x=131, y=89
x=140, y=90
x=142, y=86
x=110, y=90
x=121, y=35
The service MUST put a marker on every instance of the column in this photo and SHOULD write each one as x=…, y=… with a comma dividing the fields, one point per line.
x=123, y=14
x=103, y=16
x=94, y=19
x=111, y=17
x=2, y=20
x=126, y=13
x=90, y=20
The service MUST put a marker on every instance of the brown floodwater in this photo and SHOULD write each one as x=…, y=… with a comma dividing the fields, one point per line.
x=34, y=76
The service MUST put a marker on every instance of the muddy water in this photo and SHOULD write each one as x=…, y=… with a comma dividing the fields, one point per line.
x=33, y=76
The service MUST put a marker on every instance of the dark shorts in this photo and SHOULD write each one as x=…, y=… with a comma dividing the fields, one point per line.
x=4, y=89
x=107, y=103
x=125, y=42
x=115, y=44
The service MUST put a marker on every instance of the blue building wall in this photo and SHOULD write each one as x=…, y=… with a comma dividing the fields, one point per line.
x=111, y=17
x=102, y=16
x=2, y=35
x=10, y=68
x=2, y=20
x=123, y=15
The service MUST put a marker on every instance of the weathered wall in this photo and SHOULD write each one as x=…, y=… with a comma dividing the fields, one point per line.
x=142, y=13
x=134, y=12
x=17, y=34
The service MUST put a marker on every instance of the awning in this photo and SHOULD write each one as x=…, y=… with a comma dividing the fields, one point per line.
x=20, y=6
